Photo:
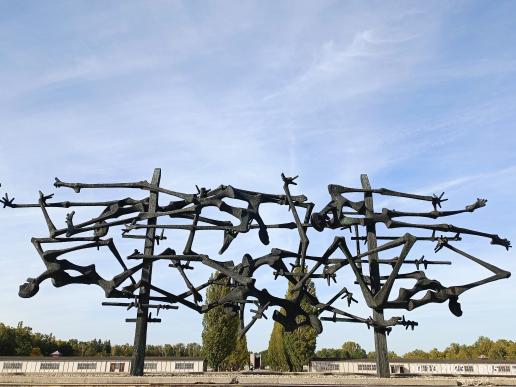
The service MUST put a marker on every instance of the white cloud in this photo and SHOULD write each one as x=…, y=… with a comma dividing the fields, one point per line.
x=236, y=95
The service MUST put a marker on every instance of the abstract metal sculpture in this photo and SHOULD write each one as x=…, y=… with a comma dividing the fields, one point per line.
x=143, y=214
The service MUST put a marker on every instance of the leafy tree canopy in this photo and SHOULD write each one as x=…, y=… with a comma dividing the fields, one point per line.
x=23, y=341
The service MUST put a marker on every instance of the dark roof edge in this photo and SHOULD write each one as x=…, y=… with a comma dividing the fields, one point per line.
x=437, y=361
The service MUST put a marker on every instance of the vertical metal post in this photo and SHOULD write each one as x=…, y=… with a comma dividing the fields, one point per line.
x=380, y=338
x=140, y=332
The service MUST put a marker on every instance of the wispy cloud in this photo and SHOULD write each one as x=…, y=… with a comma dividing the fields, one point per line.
x=238, y=93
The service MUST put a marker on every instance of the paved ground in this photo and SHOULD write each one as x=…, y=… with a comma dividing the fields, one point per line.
x=195, y=384
x=249, y=379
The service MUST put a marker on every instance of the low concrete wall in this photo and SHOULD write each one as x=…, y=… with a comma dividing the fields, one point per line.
x=247, y=379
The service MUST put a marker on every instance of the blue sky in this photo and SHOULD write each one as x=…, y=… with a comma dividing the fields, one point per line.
x=419, y=95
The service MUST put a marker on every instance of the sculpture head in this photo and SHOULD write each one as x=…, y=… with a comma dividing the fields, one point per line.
x=454, y=306
x=29, y=289
x=263, y=235
x=318, y=221
x=315, y=323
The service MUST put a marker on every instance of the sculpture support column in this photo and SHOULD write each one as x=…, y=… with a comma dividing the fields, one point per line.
x=380, y=338
x=140, y=333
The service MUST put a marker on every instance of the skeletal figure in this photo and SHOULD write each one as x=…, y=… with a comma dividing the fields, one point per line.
x=58, y=269
x=333, y=216
x=296, y=267
x=322, y=220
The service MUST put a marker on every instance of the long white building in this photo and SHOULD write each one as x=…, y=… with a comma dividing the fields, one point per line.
x=417, y=367
x=99, y=365
x=164, y=365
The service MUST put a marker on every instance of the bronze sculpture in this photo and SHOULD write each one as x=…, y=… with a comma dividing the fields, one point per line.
x=340, y=213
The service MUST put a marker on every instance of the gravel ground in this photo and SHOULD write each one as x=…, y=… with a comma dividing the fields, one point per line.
x=249, y=379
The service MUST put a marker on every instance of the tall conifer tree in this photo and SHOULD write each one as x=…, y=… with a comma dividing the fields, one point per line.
x=219, y=327
x=222, y=346
x=239, y=357
x=276, y=356
x=300, y=344
x=290, y=351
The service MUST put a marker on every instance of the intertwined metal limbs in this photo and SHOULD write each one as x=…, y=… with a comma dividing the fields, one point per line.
x=134, y=282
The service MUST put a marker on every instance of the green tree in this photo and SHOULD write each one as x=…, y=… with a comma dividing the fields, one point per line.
x=349, y=350
x=122, y=350
x=7, y=340
x=300, y=344
x=466, y=353
x=327, y=353
x=499, y=350
x=178, y=349
x=154, y=350
x=416, y=354
x=194, y=350
x=352, y=350
x=435, y=354
x=511, y=351
x=482, y=346
x=452, y=351
x=23, y=340
x=239, y=357
x=264, y=360
x=219, y=327
x=290, y=351
x=36, y=351
x=276, y=355
x=45, y=342
x=64, y=347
